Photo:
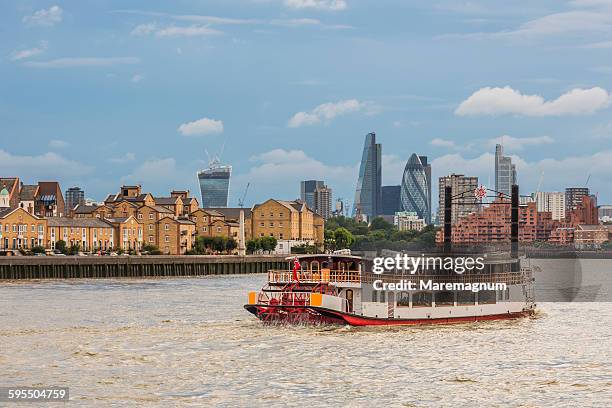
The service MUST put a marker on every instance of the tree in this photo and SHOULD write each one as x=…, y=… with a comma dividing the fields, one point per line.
x=61, y=246
x=268, y=243
x=38, y=249
x=74, y=249
x=253, y=245
x=343, y=238
x=380, y=223
x=218, y=243
x=231, y=244
x=151, y=249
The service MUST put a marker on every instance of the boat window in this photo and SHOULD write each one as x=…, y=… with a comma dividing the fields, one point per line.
x=445, y=298
x=466, y=297
x=421, y=299
x=403, y=299
x=341, y=266
x=374, y=296
x=314, y=265
x=382, y=296
x=304, y=266
x=486, y=297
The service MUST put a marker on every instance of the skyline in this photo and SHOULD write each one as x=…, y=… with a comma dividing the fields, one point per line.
x=152, y=85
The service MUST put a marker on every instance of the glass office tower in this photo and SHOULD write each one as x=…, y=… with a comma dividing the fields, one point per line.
x=416, y=189
x=368, y=197
x=214, y=185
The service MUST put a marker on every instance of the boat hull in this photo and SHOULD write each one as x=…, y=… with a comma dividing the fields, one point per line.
x=319, y=315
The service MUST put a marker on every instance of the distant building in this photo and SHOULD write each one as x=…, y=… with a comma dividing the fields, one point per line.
x=391, y=199
x=214, y=184
x=12, y=186
x=553, y=202
x=74, y=196
x=49, y=200
x=290, y=222
x=339, y=210
x=463, y=205
x=307, y=191
x=323, y=201
x=406, y=221
x=505, y=171
x=605, y=213
x=573, y=197
x=368, y=197
x=415, y=194
x=427, y=168
x=590, y=236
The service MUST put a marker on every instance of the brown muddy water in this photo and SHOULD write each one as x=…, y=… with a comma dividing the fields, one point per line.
x=189, y=342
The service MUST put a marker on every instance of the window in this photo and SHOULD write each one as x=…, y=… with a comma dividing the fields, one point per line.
x=166, y=239
x=403, y=299
x=14, y=228
x=280, y=235
x=271, y=214
x=33, y=228
x=421, y=299
x=166, y=227
x=204, y=229
x=139, y=216
x=151, y=216
x=218, y=229
x=280, y=214
x=465, y=297
x=272, y=224
x=261, y=234
x=150, y=227
x=486, y=297
x=280, y=224
x=151, y=238
x=445, y=298
x=261, y=224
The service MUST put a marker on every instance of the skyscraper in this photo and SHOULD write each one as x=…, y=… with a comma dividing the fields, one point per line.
x=391, y=199
x=214, y=184
x=427, y=168
x=368, y=197
x=74, y=196
x=573, y=197
x=462, y=205
x=307, y=190
x=505, y=171
x=323, y=201
x=415, y=192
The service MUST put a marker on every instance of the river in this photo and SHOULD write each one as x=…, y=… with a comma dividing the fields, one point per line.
x=189, y=342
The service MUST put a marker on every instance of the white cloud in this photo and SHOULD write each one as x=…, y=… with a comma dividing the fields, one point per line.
x=517, y=143
x=496, y=101
x=443, y=143
x=202, y=126
x=29, y=53
x=45, y=166
x=326, y=112
x=144, y=29
x=58, y=144
x=137, y=78
x=296, y=22
x=128, y=157
x=279, y=167
x=82, y=62
x=45, y=18
x=188, y=31
x=317, y=4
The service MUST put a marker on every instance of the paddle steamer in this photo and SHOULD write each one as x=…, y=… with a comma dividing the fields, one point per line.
x=342, y=289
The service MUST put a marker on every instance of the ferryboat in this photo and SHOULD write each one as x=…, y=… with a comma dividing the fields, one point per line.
x=342, y=289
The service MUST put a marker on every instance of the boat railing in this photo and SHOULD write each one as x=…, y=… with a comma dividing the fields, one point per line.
x=294, y=299
x=343, y=276
x=284, y=298
x=321, y=276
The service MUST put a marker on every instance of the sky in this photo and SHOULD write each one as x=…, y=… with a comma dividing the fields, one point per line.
x=103, y=93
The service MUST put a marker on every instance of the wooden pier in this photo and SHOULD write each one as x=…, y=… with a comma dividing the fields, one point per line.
x=92, y=267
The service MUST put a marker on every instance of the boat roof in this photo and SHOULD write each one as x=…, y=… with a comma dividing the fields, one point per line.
x=315, y=256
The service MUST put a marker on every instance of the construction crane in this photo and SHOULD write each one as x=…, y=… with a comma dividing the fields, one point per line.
x=587, y=182
x=241, y=199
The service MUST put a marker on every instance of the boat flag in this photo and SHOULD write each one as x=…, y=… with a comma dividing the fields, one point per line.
x=296, y=267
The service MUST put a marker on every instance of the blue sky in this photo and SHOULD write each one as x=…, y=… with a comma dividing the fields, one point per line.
x=101, y=93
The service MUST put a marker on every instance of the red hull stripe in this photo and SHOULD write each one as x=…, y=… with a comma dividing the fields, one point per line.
x=355, y=320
